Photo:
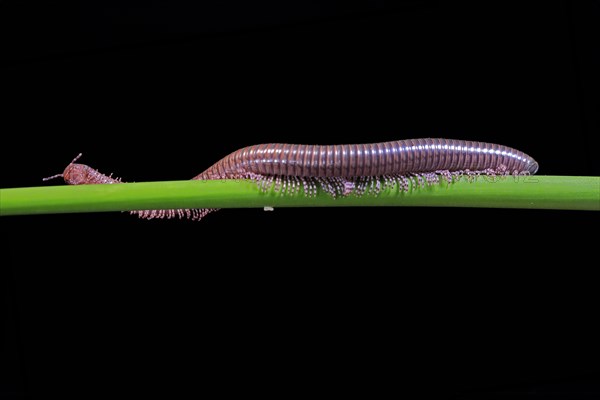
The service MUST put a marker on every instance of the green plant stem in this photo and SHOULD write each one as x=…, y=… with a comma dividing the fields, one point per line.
x=538, y=192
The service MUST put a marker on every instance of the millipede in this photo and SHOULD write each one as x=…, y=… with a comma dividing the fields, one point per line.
x=341, y=170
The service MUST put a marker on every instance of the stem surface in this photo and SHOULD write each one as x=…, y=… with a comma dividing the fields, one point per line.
x=535, y=192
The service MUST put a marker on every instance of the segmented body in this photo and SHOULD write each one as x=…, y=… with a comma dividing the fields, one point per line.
x=374, y=159
x=346, y=168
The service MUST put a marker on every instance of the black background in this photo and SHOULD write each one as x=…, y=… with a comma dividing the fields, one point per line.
x=459, y=301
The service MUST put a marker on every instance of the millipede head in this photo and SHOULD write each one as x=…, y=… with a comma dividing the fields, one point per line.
x=532, y=167
x=74, y=174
